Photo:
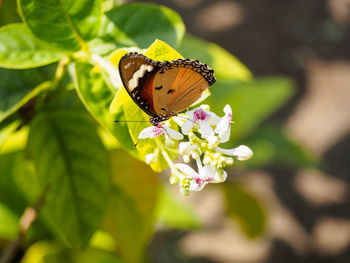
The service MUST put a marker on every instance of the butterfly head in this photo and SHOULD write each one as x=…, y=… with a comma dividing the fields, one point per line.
x=155, y=120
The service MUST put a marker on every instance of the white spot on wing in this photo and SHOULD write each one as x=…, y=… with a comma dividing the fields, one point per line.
x=134, y=81
x=127, y=65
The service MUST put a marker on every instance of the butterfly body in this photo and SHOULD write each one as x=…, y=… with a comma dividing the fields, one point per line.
x=164, y=88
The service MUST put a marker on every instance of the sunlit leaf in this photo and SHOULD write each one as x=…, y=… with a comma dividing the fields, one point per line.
x=139, y=24
x=6, y=129
x=65, y=23
x=246, y=209
x=161, y=51
x=9, y=223
x=50, y=252
x=19, y=49
x=97, y=97
x=103, y=240
x=15, y=141
x=73, y=168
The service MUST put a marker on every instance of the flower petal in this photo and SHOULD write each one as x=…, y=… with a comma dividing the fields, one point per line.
x=205, y=129
x=197, y=185
x=223, y=129
x=242, y=152
x=186, y=169
x=213, y=141
x=220, y=176
x=186, y=128
x=185, y=148
x=147, y=133
x=204, y=107
x=227, y=109
x=173, y=134
x=207, y=173
x=179, y=119
x=213, y=119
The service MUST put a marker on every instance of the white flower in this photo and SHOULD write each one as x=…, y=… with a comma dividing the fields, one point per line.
x=186, y=149
x=223, y=129
x=154, y=131
x=242, y=152
x=172, y=133
x=213, y=142
x=204, y=118
x=150, y=158
x=206, y=174
x=211, y=160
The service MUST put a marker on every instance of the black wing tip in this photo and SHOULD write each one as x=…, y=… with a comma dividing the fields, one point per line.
x=201, y=68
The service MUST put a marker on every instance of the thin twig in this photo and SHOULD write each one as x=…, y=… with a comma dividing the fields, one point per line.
x=28, y=217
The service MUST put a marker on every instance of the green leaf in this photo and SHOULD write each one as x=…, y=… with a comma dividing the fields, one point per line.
x=8, y=12
x=97, y=100
x=50, y=252
x=139, y=24
x=19, y=188
x=124, y=222
x=130, y=215
x=271, y=145
x=251, y=102
x=6, y=129
x=175, y=213
x=10, y=195
x=246, y=209
x=19, y=49
x=26, y=179
x=65, y=23
x=17, y=87
x=225, y=65
x=73, y=167
x=15, y=140
x=9, y=223
x=142, y=189
x=161, y=51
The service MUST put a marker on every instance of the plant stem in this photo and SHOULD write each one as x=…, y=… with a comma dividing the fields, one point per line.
x=28, y=217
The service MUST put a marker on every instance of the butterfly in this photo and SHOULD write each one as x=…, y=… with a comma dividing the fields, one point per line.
x=164, y=88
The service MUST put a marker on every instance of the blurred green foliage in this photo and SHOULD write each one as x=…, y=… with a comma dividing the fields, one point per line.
x=58, y=139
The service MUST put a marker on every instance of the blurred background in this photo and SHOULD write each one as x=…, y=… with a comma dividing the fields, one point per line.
x=307, y=209
x=290, y=203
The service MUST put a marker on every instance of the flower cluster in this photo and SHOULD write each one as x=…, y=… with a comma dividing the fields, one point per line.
x=204, y=132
